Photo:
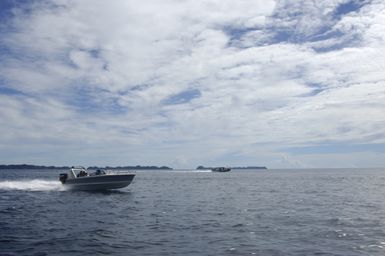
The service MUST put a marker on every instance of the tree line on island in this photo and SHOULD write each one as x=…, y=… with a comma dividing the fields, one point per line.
x=42, y=167
x=136, y=167
x=237, y=167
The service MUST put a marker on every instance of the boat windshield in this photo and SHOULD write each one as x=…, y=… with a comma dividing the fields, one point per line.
x=76, y=172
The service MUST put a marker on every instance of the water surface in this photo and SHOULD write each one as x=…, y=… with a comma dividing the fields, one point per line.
x=274, y=212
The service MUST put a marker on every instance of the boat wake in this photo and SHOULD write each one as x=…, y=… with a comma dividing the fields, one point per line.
x=31, y=185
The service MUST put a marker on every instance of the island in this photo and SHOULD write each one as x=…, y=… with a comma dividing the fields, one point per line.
x=136, y=167
x=240, y=168
x=251, y=168
x=29, y=166
x=41, y=167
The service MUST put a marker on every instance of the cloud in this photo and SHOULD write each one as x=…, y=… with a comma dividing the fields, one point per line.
x=189, y=82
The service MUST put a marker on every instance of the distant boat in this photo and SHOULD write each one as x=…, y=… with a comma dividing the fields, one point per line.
x=78, y=178
x=220, y=169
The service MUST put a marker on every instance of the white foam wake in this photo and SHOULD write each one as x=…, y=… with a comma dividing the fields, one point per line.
x=31, y=185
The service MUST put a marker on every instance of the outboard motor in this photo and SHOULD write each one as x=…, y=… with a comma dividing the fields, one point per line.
x=63, y=177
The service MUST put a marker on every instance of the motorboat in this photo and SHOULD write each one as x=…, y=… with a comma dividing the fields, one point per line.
x=78, y=178
x=220, y=169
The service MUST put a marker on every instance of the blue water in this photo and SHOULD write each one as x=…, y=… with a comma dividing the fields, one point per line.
x=274, y=212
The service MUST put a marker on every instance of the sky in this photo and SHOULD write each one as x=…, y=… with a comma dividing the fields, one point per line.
x=182, y=83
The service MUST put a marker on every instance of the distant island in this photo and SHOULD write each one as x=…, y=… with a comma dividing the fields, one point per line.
x=250, y=167
x=30, y=166
x=242, y=168
x=136, y=167
x=40, y=167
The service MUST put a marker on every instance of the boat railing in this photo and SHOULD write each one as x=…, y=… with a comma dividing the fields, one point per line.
x=79, y=171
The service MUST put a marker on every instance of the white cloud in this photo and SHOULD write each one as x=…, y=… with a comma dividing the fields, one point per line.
x=93, y=78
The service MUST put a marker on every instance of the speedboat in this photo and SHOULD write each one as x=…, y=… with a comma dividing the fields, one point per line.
x=221, y=169
x=78, y=178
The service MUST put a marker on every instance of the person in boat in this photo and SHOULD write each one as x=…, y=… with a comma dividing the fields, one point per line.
x=82, y=173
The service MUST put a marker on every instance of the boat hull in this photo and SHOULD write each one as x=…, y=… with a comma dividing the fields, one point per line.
x=100, y=182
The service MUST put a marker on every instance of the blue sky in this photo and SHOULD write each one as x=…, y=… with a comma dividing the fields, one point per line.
x=284, y=84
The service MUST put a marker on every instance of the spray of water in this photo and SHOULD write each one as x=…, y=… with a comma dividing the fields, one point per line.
x=31, y=185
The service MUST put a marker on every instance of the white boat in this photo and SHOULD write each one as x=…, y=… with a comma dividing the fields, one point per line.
x=79, y=179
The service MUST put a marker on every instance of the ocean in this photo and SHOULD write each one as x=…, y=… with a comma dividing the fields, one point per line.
x=248, y=212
